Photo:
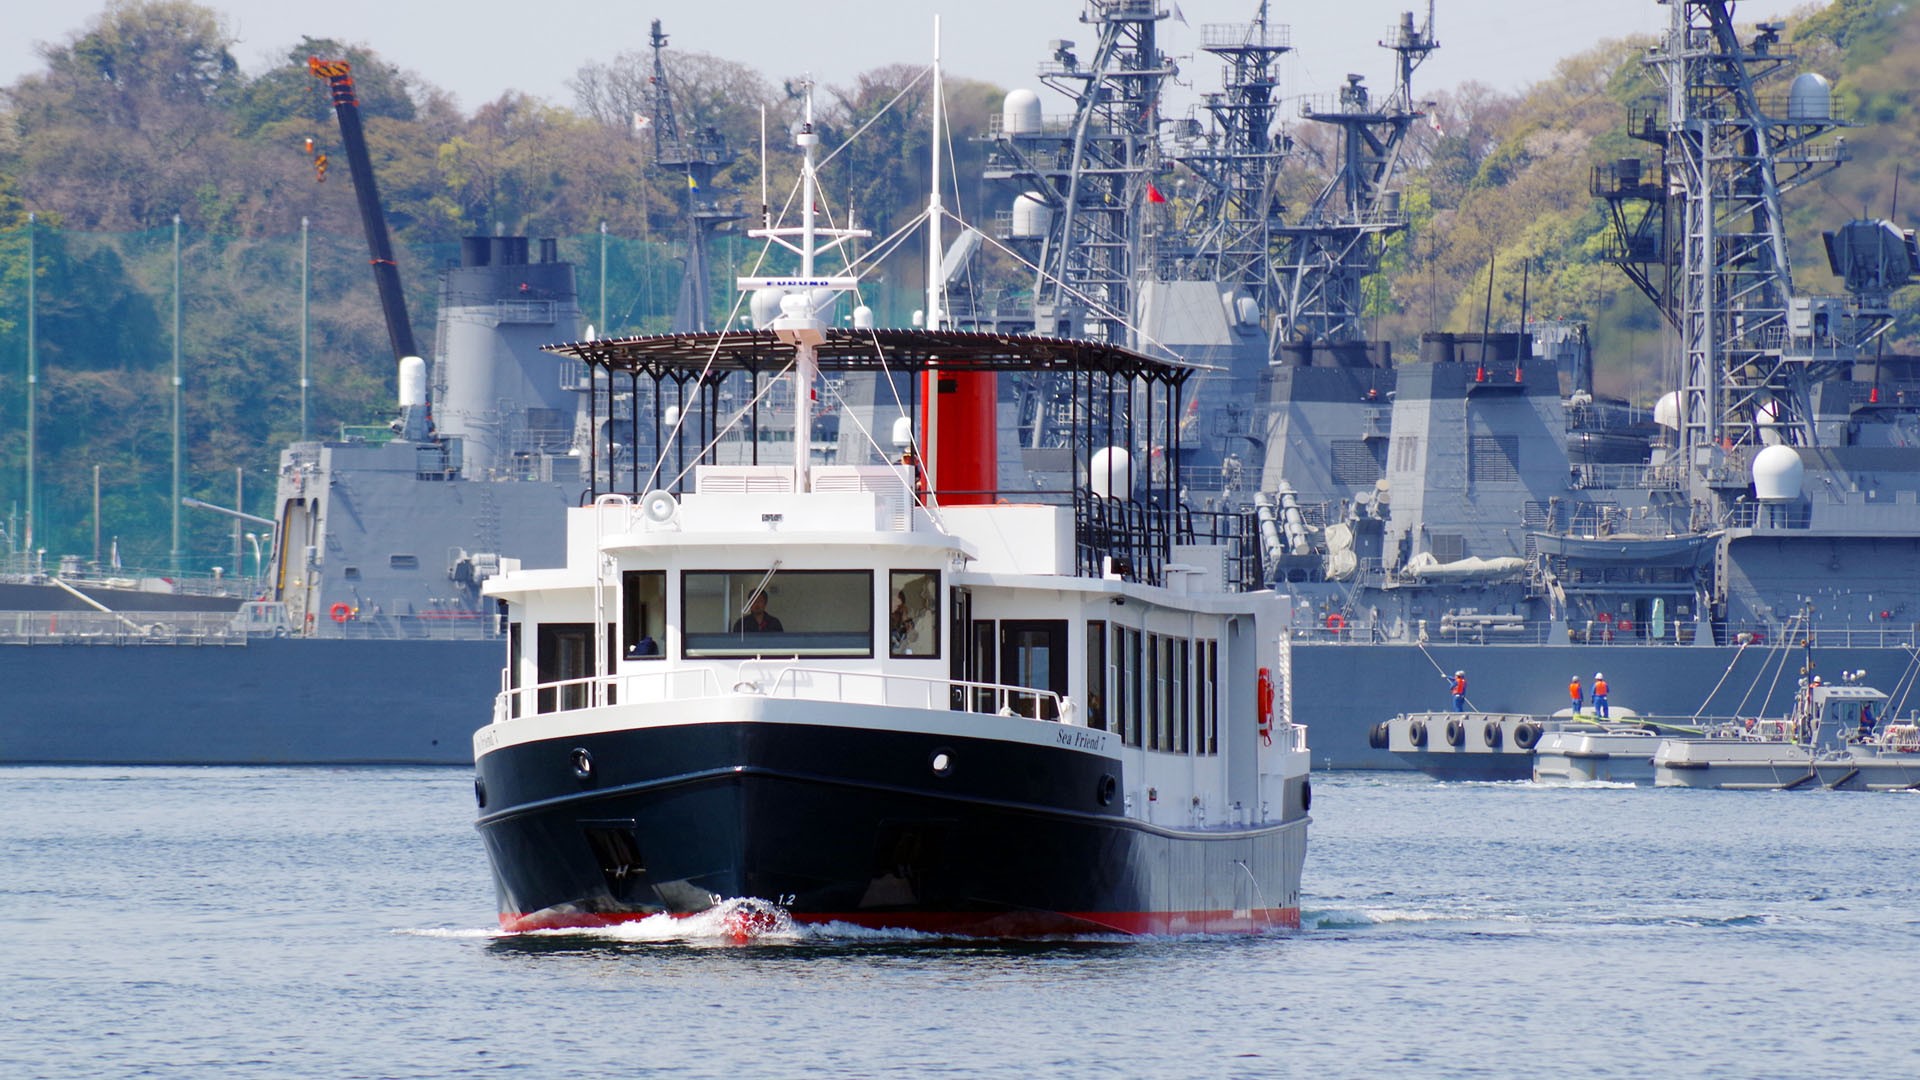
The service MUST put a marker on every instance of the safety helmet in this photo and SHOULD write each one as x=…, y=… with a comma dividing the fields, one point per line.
x=1597, y=675
x=1457, y=674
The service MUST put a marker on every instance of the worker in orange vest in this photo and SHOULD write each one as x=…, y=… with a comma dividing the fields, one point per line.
x=1574, y=692
x=1600, y=694
x=1459, y=691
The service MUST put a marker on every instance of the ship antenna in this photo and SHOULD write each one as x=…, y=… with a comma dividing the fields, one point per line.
x=1522, y=346
x=1486, y=322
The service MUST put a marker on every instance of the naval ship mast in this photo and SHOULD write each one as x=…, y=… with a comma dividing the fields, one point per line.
x=1235, y=216
x=699, y=157
x=1337, y=242
x=1706, y=242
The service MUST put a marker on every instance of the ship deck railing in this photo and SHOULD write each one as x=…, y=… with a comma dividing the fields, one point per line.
x=775, y=679
x=122, y=628
x=1606, y=635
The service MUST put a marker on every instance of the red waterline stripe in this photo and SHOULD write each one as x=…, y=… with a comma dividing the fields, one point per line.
x=978, y=923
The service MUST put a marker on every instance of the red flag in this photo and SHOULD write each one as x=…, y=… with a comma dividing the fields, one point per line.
x=1154, y=196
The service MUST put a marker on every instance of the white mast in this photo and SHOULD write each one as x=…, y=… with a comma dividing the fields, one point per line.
x=930, y=439
x=799, y=323
x=935, y=287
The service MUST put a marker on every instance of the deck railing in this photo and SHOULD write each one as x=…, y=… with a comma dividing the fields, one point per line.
x=786, y=681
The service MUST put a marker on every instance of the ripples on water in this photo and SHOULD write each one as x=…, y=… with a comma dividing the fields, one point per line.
x=337, y=923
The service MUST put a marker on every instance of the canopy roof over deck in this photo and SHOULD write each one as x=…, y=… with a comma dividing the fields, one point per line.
x=849, y=350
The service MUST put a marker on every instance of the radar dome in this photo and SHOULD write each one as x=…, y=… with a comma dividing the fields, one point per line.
x=765, y=307
x=1810, y=98
x=1666, y=411
x=1777, y=471
x=1110, y=473
x=413, y=381
x=1020, y=113
x=1031, y=216
x=863, y=318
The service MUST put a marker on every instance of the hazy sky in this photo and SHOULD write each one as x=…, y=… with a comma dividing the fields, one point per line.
x=480, y=48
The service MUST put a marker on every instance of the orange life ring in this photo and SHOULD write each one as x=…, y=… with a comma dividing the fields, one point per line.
x=1336, y=622
x=1625, y=626
x=341, y=612
x=1263, y=698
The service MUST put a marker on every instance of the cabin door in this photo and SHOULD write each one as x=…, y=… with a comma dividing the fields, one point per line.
x=1033, y=653
x=564, y=652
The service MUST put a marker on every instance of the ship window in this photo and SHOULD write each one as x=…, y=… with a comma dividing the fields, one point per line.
x=781, y=613
x=351, y=573
x=1126, y=684
x=1155, y=676
x=403, y=562
x=1097, y=675
x=1209, y=677
x=643, y=614
x=513, y=668
x=1182, y=711
x=913, y=613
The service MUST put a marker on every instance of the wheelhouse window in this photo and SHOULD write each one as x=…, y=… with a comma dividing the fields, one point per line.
x=913, y=614
x=783, y=613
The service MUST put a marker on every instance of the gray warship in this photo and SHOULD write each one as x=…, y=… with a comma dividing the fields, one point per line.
x=1476, y=507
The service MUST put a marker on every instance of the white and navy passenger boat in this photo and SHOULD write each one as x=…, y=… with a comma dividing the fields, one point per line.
x=886, y=694
x=953, y=715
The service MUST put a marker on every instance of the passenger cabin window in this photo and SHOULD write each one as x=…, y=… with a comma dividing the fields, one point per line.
x=787, y=613
x=643, y=614
x=913, y=614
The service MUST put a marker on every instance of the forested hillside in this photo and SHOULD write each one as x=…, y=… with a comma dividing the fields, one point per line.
x=144, y=114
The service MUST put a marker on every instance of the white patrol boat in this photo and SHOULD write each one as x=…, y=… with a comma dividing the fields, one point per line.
x=1839, y=735
x=884, y=694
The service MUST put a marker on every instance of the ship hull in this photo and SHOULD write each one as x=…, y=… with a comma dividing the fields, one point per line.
x=853, y=825
x=266, y=702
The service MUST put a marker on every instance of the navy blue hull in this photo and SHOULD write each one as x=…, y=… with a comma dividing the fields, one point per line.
x=853, y=825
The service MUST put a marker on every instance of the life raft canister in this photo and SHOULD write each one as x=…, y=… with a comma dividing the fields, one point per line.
x=341, y=611
x=1263, y=696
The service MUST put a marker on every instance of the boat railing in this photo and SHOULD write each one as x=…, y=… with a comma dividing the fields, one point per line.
x=123, y=628
x=764, y=679
x=912, y=691
x=1291, y=737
